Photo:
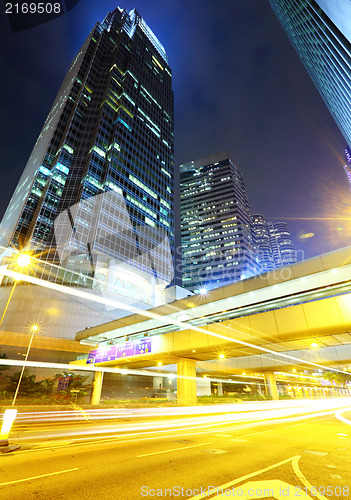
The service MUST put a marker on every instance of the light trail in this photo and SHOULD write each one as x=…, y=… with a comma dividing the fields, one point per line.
x=146, y=313
x=189, y=421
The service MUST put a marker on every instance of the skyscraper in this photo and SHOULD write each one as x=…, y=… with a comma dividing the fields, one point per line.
x=282, y=246
x=273, y=244
x=97, y=191
x=217, y=245
x=320, y=32
x=263, y=244
x=347, y=167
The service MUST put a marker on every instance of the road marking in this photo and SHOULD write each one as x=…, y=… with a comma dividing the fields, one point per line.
x=252, y=434
x=243, y=478
x=335, y=476
x=38, y=477
x=274, y=488
x=331, y=466
x=302, y=423
x=173, y=449
x=318, y=453
x=304, y=480
x=343, y=419
x=54, y=444
x=215, y=452
x=340, y=434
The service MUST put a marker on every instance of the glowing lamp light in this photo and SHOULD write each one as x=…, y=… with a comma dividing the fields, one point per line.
x=314, y=344
x=221, y=356
x=159, y=363
x=23, y=260
x=203, y=291
x=8, y=419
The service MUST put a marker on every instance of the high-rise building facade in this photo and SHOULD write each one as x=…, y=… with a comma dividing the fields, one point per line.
x=273, y=243
x=99, y=182
x=347, y=167
x=282, y=246
x=217, y=245
x=263, y=244
x=320, y=32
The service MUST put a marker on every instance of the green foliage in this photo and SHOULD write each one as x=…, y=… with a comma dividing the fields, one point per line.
x=28, y=384
x=3, y=367
x=29, y=387
x=337, y=377
x=76, y=383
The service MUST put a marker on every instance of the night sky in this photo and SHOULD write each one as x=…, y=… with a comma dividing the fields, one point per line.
x=239, y=86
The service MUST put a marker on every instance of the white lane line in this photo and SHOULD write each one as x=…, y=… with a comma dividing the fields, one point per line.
x=304, y=480
x=339, y=416
x=335, y=476
x=340, y=434
x=243, y=478
x=331, y=466
x=302, y=423
x=38, y=477
x=252, y=434
x=173, y=449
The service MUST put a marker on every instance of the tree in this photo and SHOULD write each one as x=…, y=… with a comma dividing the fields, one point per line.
x=337, y=377
x=29, y=386
x=76, y=383
x=3, y=367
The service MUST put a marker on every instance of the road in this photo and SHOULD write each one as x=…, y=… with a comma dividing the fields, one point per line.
x=267, y=453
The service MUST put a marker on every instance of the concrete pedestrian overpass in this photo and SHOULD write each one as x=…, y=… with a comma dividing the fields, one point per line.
x=265, y=323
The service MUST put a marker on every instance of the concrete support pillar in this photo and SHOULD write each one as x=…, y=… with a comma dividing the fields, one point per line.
x=157, y=382
x=271, y=386
x=96, y=390
x=220, y=388
x=186, y=382
x=203, y=387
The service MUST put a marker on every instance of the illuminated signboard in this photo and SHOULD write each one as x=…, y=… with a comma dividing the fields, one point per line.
x=114, y=352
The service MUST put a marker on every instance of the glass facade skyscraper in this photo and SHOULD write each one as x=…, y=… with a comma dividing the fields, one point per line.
x=347, y=167
x=282, y=246
x=273, y=243
x=320, y=32
x=97, y=191
x=263, y=244
x=217, y=244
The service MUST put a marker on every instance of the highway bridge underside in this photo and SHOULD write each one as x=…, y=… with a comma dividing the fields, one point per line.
x=269, y=323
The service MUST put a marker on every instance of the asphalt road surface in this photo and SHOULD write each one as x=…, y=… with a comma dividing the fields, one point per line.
x=270, y=455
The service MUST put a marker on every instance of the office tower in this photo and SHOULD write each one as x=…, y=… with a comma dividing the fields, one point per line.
x=347, y=167
x=320, y=32
x=282, y=246
x=273, y=243
x=263, y=244
x=217, y=245
x=97, y=192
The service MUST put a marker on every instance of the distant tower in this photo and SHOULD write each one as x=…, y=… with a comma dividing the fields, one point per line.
x=217, y=243
x=320, y=31
x=347, y=167
x=101, y=172
x=282, y=246
x=263, y=244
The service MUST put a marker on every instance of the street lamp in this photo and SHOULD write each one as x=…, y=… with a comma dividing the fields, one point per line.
x=23, y=260
x=34, y=329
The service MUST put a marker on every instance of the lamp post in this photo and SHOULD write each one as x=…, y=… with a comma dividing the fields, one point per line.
x=23, y=260
x=34, y=329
